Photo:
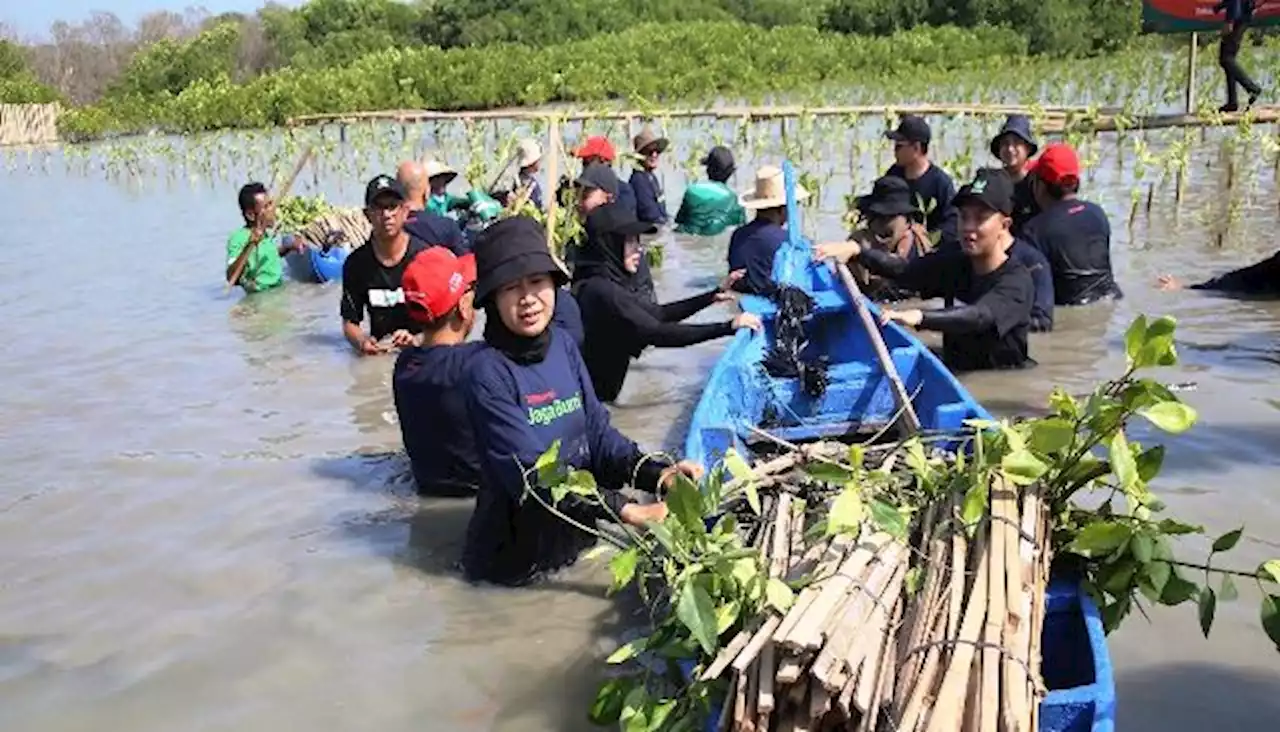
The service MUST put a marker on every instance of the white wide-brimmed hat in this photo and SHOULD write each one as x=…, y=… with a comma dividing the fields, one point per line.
x=528, y=153
x=436, y=167
x=770, y=190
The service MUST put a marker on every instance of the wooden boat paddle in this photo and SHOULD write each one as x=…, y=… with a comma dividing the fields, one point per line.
x=910, y=423
x=284, y=191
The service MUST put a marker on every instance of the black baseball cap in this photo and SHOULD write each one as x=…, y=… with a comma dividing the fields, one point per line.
x=383, y=185
x=911, y=128
x=991, y=187
x=599, y=175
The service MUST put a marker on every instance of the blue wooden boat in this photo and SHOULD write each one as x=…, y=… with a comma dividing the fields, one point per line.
x=316, y=265
x=858, y=398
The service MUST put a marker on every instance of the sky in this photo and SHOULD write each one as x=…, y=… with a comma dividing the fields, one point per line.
x=33, y=18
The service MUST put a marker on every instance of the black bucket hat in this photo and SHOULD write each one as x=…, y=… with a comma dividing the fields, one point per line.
x=1018, y=125
x=509, y=249
x=890, y=196
x=720, y=163
x=618, y=220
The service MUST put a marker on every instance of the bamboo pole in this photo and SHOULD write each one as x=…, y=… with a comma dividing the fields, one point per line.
x=553, y=176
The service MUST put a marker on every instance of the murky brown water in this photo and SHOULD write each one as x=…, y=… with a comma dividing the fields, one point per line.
x=205, y=524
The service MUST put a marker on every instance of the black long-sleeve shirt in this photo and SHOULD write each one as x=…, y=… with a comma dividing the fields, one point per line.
x=990, y=330
x=934, y=192
x=1262, y=279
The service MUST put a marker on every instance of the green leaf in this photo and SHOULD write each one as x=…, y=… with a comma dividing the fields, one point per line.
x=1142, y=547
x=1178, y=590
x=634, y=703
x=1134, y=337
x=623, y=567
x=1177, y=528
x=888, y=519
x=736, y=466
x=1052, y=435
x=548, y=464
x=726, y=616
x=1100, y=539
x=1228, y=591
x=696, y=611
x=1123, y=463
x=665, y=538
x=1208, y=605
x=914, y=580
x=1149, y=462
x=1013, y=438
x=685, y=503
x=857, y=456
x=846, y=512
x=599, y=550
x=975, y=503
x=778, y=595
x=1022, y=467
x=1119, y=577
x=1115, y=612
x=1172, y=417
x=558, y=491
x=1271, y=618
x=1269, y=571
x=744, y=571
x=660, y=713
x=753, y=497
x=581, y=483
x=607, y=707
x=626, y=651
x=828, y=473
x=916, y=460
x=1228, y=541
x=1153, y=579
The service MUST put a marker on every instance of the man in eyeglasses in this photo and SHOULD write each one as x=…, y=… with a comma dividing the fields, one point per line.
x=371, y=276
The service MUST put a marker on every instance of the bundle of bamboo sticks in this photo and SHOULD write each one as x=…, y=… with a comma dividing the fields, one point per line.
x=863, y=647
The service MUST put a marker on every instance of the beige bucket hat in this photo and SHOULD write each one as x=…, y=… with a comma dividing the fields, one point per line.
x=528, y=153
x=770, y=190
x=436, y=167
x=647, y=139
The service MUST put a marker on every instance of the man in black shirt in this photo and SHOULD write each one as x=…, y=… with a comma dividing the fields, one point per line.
x=1014, y=145
x=990, y=330
x=1074, y=235
x=931, y=188
x=372, y=273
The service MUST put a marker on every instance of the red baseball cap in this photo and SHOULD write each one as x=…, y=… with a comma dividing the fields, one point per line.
x=1056, y=165
x=597, y=146
x=435, y=281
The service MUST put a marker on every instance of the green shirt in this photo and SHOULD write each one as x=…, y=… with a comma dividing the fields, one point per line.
x=709, y=208
x=444, y=203
x=265, y=268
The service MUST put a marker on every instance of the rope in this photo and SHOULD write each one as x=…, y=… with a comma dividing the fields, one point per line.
x=982, y=645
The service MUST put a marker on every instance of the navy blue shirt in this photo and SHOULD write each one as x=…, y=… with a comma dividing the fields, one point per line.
x=569, y=316
x=432, y=409
x=1042, y=277
x=626, y=195
x=1075, y=237
x=517, y=412
x=433, y=230
x=933, y=192
x=752, y=247
x=651, y=206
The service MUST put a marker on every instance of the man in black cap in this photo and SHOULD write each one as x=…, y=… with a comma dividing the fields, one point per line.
x=711, y=206
x=597, y=185
x=989, y=331
x=931, y=188
x=1014, y=146
x=371, y=274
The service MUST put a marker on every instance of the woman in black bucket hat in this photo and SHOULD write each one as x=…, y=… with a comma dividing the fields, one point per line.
x=529, y=390
x=893, y=224
x=1015, y=145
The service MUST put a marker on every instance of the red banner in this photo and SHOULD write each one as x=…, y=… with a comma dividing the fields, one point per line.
x=1178, y=16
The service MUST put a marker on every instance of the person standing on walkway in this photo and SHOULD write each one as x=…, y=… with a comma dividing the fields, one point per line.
x=1014, y=146
x=1237, y=14
x=651, y=201
x=711, y=206
x=931, y=188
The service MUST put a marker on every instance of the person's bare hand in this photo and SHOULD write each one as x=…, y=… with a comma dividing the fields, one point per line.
x=691, y=470
x=748, y=320
x=726, y=285
x=841, y=251
x=637, y=515
x=1169, y=283
x=906, y=317
x=402, y=338
x=370, y=346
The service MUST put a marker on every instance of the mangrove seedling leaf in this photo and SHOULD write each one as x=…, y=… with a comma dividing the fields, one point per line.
x=599, y=550
x=726, y=616
x=607, y=707
x=1172, y=417
x=1178, y=590
x=778, y=595
x=664, y=536
x=1013, y=438
x=1142, y=547
x=857, y=456
x=1269, y=571
x=744, y=572
x=623, y=568
x=581, y=483
x=1149, y=462
x=626, y=651
x=1052, y=435
x=695, y=609
x=1063, y=403
x=914, y=580
x=1208, y=605
x=888, y=519
x=1100, y=539
x=547, y=464
x=658, y=717
x=634, y=703
x=558, y=492
x=736, y=466
x=846, y=512
x=828, y=473
x=1123, y=463
x=1228, y=591
x=1154, y=578
x=1271, y=618
x=1228, y=541
x=685, y=503
x=1023, y=467
x=1134, y=337
x=975, y=503
x=1177, y=528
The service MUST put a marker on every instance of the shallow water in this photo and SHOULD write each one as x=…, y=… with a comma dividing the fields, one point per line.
x=205, y=523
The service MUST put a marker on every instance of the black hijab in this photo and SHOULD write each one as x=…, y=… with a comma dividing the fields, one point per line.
x=604, y=249
x=508, y=250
